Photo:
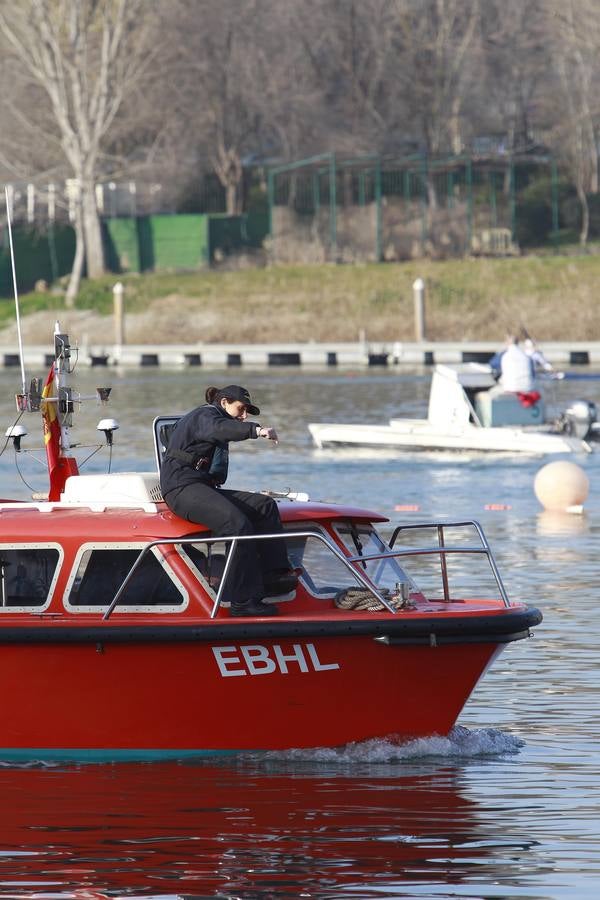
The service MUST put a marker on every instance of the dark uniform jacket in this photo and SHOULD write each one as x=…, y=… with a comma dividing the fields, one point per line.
x=198, y=447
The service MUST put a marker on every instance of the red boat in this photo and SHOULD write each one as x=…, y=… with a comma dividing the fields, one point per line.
x=115, y=642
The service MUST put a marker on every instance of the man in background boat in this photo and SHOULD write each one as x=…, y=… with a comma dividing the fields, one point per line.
x=517, y=370
x=515, y=373
x=512, y=367
x=193, y=470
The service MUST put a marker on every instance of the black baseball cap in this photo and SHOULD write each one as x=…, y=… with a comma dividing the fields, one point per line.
x=236, y=392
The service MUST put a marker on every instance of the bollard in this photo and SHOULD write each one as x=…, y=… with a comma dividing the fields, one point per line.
x=419, y=300
x=118, y=291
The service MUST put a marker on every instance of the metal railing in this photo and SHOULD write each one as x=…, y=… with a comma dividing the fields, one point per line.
x=443, y=550
x=348, y=561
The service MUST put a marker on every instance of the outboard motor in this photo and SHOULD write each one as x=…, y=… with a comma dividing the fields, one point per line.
x=580, y=420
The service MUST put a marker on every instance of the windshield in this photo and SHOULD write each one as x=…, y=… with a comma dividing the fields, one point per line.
x=324, y=574
x=363, y=540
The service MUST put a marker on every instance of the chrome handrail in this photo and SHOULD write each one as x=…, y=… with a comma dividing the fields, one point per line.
x=233, y=540
x=440, y=526
x=441, y=549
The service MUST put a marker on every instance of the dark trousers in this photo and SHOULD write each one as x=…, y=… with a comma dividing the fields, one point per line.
x=229, y=513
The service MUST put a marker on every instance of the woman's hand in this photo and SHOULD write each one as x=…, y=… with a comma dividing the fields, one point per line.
x=269, y=433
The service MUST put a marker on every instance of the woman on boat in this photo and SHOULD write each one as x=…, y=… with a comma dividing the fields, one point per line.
x=193, y=471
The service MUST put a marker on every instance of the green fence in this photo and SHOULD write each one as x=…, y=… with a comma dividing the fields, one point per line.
x=155, y=243
x=329, y=209
x=38, y=255
x=145, y=243
x=150, y=243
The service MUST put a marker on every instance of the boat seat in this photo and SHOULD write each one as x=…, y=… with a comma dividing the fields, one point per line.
x=162, y=428
x=496, y=409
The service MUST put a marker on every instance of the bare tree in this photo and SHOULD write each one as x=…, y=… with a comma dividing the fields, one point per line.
x=85, y=55
x=435, y=40
x=514, y=74
x=393, y=73
x=241, y=91
x=349, y=46
x=217, y=85
x=574, y=34
x=235, y=83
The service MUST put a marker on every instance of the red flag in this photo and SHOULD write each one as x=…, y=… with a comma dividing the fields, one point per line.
x=59, y=467
x=51, y=423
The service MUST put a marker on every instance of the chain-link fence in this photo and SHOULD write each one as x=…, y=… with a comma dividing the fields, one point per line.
x=329, y=209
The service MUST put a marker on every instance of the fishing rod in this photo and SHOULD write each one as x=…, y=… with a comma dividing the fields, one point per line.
x=16, y=293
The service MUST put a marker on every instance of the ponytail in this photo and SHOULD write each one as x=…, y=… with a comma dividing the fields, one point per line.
x=211, y=394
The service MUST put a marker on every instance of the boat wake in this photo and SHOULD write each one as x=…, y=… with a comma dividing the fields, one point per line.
x=460, y=743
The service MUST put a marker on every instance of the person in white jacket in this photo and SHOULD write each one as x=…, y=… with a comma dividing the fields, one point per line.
x=517, y=370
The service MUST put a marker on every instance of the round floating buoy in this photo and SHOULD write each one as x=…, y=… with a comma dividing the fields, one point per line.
x=407, y=507
x=561, y=486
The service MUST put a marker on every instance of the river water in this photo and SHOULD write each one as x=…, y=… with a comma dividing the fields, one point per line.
x=507, y=807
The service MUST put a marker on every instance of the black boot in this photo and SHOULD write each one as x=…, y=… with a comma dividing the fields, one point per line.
x=252, y=607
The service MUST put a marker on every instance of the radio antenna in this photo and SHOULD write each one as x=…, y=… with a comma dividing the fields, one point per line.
x=14, y=277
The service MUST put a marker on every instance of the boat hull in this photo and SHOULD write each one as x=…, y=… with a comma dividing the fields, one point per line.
x=239, y=687
x=420, y=435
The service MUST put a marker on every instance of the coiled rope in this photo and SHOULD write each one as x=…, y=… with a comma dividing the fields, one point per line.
x=362, y=599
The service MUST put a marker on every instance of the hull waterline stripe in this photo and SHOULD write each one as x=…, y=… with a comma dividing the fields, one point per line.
x=107, y=755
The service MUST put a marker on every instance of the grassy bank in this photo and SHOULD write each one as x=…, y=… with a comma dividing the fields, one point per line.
x=554, y=297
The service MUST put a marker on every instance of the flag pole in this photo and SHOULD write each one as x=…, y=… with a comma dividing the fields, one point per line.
x=14, y=277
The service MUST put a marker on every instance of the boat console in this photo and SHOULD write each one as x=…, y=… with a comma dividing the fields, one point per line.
x=122, y=489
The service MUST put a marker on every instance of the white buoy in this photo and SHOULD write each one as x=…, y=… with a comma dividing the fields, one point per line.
x=562, y=486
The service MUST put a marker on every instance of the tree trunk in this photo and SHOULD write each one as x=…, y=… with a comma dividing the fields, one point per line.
x=431, y=193
x=585, y=215
x=77, y=269
x=593, y=155
x=228, y=168
x=231, y=199
x=92, y=231
x=454, y=125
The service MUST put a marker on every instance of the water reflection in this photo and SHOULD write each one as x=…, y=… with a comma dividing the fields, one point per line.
x=556, y=522
x=251, y=831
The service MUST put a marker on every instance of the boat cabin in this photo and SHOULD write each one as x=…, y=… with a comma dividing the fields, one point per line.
x=463, y=394
x=111, y=545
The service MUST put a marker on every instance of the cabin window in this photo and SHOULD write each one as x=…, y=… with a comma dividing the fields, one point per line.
x=206, y=561
x=100, y=573
x=27, y=576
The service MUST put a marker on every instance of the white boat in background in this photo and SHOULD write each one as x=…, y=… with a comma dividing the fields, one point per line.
x=465, y=414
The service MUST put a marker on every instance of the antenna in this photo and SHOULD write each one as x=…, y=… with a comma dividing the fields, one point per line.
x=14, y=276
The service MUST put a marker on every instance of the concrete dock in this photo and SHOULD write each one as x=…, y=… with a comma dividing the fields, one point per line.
x=358, y=354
